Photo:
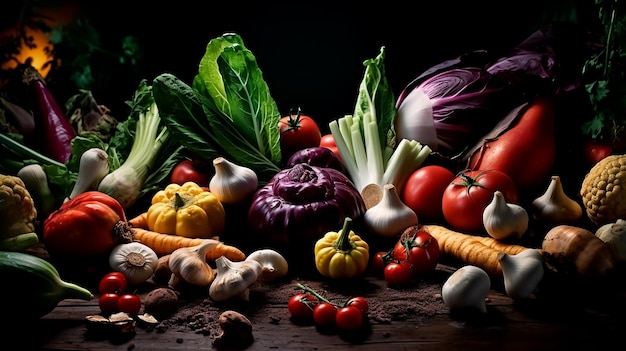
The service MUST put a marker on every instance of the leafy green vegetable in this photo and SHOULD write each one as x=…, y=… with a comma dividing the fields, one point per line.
x=606, y=74
x=228, y=111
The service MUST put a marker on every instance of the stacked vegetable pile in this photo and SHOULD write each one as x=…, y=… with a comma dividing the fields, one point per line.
x=445, y=172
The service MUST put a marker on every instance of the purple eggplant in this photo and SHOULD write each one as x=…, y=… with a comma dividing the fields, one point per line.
x=57, y=130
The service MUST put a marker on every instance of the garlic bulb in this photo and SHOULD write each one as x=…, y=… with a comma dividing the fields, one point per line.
x=189, y=264
x=614, y=234
x=504, y=220
x=522, y=272
x=555, y=206
x=274, y=264
x=234, y=278
x=231, y=183
x=466, y=288
x=390, y=216
x=135, y=260
x=93, y=166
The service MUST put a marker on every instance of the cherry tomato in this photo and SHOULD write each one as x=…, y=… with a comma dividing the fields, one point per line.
x=466, y=197
x=360, y=303
x=301, y=305
x=349, y=318
x=298, y=132
x=108, y=303
x=418, y=247
x=189, y=171
x=398, y=273
x=129, y=303
x=424, y=190
x=379, y=260
x=324, y=314
x=328, y=141
x=113, y=282
x=594, y=151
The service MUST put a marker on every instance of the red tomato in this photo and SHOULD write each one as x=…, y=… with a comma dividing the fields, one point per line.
x=328, y=141
x=301, y=305
x=188, y=171
x=398, y=273
x=324, y=314
x=360, y=303
x=423, y=192
x=298, y=132
x=114, y=282
x=419, y=248
x=349, y=318
x=108, y=303
x=594, y=151
x=84, y=226
x=129, y=303
x=466, y=197
x=379, y=260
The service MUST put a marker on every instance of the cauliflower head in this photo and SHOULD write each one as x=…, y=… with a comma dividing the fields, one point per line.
x=603, y=190
x=18, y=214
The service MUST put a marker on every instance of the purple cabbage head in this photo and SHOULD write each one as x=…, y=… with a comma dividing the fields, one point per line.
x=452, y=109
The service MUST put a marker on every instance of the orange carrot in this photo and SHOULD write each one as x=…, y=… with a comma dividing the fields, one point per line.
x=165, y=244
x=139, y=221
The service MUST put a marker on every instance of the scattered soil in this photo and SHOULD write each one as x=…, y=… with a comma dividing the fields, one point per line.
x=418, y=301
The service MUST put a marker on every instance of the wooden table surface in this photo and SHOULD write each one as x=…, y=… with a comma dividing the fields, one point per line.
x=507, y=325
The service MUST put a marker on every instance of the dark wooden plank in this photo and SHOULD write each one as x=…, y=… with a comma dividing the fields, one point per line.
x=508, y=325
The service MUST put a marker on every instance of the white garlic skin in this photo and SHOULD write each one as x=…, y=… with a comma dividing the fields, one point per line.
x=232, y=183
x=466, y=288
x=522, y=272
x=390, y=217
x=503, y=220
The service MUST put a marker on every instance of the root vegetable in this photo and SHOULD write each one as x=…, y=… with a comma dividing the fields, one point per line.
x=471, y=249
x=165, y=244
x=580, y=249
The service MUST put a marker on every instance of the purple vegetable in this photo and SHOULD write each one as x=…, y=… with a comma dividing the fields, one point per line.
x=451, y=109
x=57, y=130
x=302, y=203
x=316, y=156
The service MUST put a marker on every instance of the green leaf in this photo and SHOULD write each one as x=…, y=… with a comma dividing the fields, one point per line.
x=375, y=96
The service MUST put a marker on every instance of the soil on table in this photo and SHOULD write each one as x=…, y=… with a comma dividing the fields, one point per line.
x=419, y=301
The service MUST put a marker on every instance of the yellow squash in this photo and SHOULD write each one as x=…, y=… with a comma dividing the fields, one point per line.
x=186, y=210
x=341, y=255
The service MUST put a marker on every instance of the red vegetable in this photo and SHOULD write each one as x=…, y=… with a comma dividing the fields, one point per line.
x=349, y=318
x=465, y=199
x=398, y=273
x=298, y=132
x=58, y=132
x=189, y=171
x=594, y=151
x=423, y=191
x=526, y=151
x=417, y=247
x=86, y=226
x=328, y=141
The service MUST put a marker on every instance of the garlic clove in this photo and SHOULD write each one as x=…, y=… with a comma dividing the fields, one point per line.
x=466, y=288
x=521, y=272
x=555, y=206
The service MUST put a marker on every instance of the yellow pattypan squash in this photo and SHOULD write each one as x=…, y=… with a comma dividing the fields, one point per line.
x=341, y=255
x=187, y=210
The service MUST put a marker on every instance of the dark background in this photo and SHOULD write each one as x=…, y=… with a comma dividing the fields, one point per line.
x=311, y=53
